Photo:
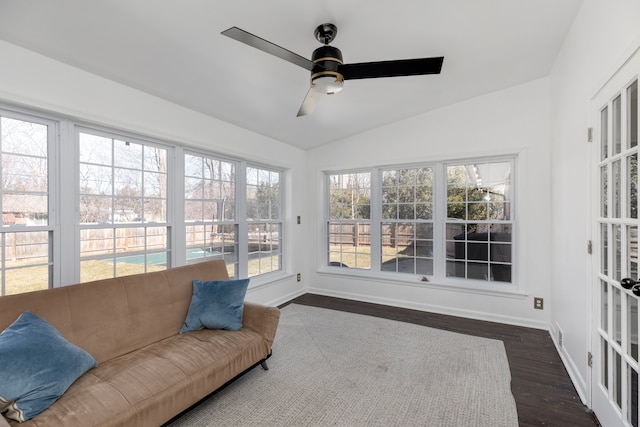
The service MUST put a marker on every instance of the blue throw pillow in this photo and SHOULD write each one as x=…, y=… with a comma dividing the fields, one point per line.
x=37, y=365
x=216, y=305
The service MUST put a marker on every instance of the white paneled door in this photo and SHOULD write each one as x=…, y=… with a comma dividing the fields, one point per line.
x=614, y=346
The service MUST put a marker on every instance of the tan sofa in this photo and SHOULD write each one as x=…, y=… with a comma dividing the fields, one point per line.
x=147, y=372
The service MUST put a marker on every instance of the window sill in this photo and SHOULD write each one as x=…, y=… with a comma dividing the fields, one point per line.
x=442, y=283
x=267, y=279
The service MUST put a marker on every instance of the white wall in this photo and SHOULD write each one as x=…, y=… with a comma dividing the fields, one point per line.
x=601, y=38
x=512, y=121
x=34, y=81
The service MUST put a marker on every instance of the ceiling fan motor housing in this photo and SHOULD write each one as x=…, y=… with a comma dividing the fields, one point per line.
x=326, y=76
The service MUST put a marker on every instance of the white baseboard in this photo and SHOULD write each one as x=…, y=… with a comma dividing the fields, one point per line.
x=476, y=315
x=572, y=369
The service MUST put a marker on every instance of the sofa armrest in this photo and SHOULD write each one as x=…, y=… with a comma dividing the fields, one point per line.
x=262, y=319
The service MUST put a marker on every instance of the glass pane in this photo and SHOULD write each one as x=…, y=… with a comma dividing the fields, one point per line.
x=127, y=182
x=129, y=265
x=617, y=253
x=127, y=209
x=96, y=270
x=478, y=271
x=193, y=166
x=455, y=269
x=155, y=210
x=632, y=251
x=500, y=272
x=424, y=266
x=24, y=209
x=95, y=180
x=632, y=397
x=96, y=242
x=604, y=305
x=155, y=159
x=604, y=250
x=95, y=149
x=632, y=186
x=263, y=194
x=424, y=211
x=632, y=115
x=632, y=327
x=127, y=155
x=456, y=211
x=604, y=134
x=26, y=262
x=604, y=367
x=616, y=191
x=264, y=248
x=501, y=232
x=155, y=185
x=406, y=211
x=477, y=211
x=156, y=241
x=24, y=173
x=95, y=210
x=129, y=240
x=617, y=379
x=424, y=231
x=27, y=279
x=23, y=137
x=617, y=316
x=617, y=125
x=193, y=211
x=604, y=202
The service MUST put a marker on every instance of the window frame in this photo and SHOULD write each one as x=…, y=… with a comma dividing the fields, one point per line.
x=234, y=269
x=439, y=277
x=52, y=228
x=168, y=223
x=64, y=228
x=278, y=222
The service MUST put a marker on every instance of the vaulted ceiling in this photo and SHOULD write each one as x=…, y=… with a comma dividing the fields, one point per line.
x=174, y=50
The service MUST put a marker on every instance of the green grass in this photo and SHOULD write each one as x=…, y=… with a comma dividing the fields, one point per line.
x=36, y=278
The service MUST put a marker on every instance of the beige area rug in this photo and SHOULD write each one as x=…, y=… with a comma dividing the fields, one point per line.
x=331, y=368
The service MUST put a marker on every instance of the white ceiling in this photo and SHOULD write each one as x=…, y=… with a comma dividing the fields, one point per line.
x=174, y=50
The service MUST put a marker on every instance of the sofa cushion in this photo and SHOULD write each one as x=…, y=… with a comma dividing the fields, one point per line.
x=37, y=365
x=149, y=386
x=216, y=305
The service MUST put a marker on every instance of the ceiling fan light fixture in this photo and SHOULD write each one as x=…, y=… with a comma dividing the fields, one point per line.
x=328, y=71
x=328, y=83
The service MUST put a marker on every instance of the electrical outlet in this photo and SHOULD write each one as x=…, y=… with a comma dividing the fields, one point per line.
x=299, y=277
x=298, y=219
x=538, y=303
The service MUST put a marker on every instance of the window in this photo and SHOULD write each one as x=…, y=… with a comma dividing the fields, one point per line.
x=123, y=206
x=349, y=225
x=468, y=235
x=264, y=220
x=81, y=203
x=407, y=220
x=211, y=229
x=478, y=226
x=26, y=237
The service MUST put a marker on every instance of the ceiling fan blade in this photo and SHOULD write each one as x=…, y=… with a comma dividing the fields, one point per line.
x=309, y=103
x=402, y=67
x=268, y=47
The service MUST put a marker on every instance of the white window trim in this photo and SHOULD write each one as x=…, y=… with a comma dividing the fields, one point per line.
x=439, y=280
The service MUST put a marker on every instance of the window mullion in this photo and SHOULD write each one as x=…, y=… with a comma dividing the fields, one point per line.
x=439, y=220
x=175, y=214
x=376, y=219
x=241, y=220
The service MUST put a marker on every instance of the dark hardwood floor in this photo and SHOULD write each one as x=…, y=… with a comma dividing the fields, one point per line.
x=540, y=384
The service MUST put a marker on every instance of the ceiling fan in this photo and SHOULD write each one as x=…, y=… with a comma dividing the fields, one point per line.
x=328, y=72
